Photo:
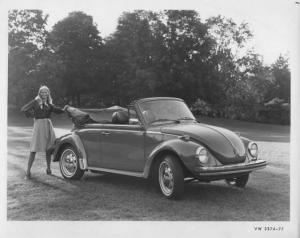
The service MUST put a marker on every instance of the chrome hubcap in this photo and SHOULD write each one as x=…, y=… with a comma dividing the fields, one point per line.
x=166, y=178
x=68, y=163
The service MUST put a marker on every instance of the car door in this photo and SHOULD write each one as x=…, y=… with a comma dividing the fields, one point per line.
x=122, y=147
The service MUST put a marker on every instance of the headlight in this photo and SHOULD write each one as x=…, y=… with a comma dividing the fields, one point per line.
x=202, y=155
x=253, y=149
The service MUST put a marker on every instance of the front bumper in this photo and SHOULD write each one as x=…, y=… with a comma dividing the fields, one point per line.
x=230, y=169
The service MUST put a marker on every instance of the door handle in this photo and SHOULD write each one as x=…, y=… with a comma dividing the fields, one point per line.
x=105, y=133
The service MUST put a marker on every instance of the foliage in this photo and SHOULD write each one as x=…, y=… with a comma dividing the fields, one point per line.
x=27, y=27
x=75, y=42
x=275, y=111
x=151, y=53
x=200, y=107
x=281, y=83
x=27, y=36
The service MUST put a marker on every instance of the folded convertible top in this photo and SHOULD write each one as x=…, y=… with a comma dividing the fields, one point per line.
x=81, y=117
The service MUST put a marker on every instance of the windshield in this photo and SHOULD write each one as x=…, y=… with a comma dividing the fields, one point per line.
x=165, y=110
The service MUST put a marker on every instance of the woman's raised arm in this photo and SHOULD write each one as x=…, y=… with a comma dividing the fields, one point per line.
x=28, y=108
x=57, y=109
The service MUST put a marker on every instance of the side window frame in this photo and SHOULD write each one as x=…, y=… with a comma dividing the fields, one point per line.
x=131, y=108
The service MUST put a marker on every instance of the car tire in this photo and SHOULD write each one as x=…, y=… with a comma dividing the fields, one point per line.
x=239, y=182
x=69, y=164
x=170, y=177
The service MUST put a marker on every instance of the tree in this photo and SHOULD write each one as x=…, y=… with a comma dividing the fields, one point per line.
x=183, y=50
x=75, y=42
x=27, y=27
x=256, y=76
x=27, y=36
x=165, y=53
x=159, y=54
x=281, y=79
x=230, y=62
x=128, y=58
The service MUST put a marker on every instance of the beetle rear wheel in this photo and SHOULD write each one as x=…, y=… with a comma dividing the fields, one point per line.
x=238, y=181
x=170, y=177
x=69, y=164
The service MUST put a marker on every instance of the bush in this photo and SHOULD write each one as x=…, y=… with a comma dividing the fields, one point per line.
x=200, y=107
x=275, y=111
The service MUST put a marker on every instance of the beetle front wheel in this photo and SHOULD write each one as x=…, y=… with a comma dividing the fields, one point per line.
x=69, y=164
x=170, y=177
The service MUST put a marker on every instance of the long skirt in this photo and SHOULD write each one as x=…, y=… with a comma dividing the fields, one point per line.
x=43, y=135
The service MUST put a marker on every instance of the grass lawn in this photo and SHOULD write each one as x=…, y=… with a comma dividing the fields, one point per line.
x=114, y=197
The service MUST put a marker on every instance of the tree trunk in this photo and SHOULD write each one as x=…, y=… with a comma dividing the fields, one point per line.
x=73, y=99
x=78, y=99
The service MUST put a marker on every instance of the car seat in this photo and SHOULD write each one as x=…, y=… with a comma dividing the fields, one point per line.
x=120, y=117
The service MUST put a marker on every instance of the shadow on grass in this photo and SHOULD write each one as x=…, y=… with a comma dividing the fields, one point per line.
x=193, y=191
x=118, y=197
x=57, y=187
x=120, y=180
x=201, y=200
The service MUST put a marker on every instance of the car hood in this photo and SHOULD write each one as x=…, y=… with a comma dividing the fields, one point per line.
x=224, y=144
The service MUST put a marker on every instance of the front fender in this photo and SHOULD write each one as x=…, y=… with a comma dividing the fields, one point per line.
x=184, y=149
x=246, y=142
x=73, y=140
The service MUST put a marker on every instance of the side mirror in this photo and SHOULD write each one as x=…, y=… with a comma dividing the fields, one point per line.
x=134, y=121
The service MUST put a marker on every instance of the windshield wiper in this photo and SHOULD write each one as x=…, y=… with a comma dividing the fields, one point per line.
x=173, y=120
x=165, y=119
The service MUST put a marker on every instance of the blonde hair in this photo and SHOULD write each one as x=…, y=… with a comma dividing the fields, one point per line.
x=39, y=99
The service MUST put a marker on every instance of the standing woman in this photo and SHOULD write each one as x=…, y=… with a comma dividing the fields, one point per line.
x=43, y=134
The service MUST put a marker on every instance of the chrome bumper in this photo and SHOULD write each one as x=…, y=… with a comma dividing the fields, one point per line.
x=231, y=169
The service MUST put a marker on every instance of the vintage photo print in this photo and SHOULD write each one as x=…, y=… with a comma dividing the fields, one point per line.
x=150, y=118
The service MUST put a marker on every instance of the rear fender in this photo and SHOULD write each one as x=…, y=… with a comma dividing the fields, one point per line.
x=74, y=141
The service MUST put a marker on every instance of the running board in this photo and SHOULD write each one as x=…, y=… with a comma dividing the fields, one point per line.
x=116, y=171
